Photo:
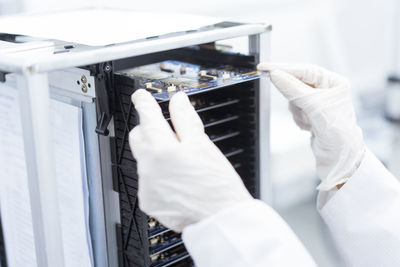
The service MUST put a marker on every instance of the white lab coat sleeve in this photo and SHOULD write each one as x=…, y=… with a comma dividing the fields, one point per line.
x=364, y=216
x=248, y=234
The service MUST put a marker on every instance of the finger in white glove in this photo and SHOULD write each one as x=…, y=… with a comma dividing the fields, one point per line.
x=320, y=102
x=183, y=178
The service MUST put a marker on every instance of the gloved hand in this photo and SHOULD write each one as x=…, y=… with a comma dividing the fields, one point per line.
x=320, y=102
x=183, y=177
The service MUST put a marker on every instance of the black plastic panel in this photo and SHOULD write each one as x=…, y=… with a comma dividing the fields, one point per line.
x=3, y=259
x=230, y=118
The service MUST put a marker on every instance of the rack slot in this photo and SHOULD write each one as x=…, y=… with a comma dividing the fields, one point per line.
x=158, y=232
x=237, y=165
x=234, y=152
x=168, y=246
x=217, y=138
x=181, y=258
x=170, y=257
x=220, y=121
x=218, y=105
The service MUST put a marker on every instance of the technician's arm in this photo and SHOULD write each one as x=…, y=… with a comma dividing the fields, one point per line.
x=248, y=234
x=187, y=184
x=364, y=214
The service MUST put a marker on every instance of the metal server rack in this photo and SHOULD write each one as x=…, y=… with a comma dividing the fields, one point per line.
x=35, y=75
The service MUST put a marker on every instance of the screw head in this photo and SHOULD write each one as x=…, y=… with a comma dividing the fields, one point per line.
x=84, y=88
x=83, y=79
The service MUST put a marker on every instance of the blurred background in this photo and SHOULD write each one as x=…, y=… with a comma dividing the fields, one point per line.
x=358, y=39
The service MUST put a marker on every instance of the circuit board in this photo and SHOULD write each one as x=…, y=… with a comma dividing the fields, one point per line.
x=165, y=78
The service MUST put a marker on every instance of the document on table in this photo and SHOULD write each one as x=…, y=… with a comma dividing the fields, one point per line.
x=112, y=25
x=15, y=208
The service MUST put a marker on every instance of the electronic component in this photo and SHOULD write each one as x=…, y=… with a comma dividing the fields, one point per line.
x=150, y=88
x=227, y=76
x=182, y=70
x=171, y=88
x=203, y=74
x=152, y=223
x=164, y=68
x=169, y=257
x=189, y=78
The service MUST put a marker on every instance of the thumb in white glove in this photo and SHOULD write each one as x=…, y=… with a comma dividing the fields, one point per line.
x=183, y=177
x=320, y=102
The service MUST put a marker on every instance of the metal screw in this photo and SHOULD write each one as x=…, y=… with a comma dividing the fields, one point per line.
x=84, y=88
x=107, y=68
x=83, y=79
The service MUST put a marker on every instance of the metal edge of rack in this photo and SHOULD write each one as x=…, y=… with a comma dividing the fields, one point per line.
x=14, y=63
x=260, y=45
x=34, y=104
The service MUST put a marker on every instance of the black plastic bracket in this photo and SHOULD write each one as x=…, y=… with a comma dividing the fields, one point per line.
x=394, y=78
x=3, y=76
x=3, y=254
x=103, y=74
x=118, y=230
x=114, y=164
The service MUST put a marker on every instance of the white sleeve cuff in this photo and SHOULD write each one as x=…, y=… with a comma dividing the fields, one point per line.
x=248, y=234
x=363, y=216
x=369, y=170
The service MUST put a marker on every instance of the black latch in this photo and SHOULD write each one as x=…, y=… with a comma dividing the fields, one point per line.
x=3, y=76
x=104, y=95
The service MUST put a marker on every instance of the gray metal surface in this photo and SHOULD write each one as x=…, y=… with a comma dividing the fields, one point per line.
x=75, y=82
x=260, y=46
x=13, y=63
x=64, y=88
x=34, y=103
x=111, y=201
x=93, y=170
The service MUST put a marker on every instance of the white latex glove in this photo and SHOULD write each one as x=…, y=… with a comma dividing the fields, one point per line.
x=183, y=177
x=320, y=102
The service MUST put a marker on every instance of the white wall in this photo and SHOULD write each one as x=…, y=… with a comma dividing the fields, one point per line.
x=10, y=6
x=353, y=37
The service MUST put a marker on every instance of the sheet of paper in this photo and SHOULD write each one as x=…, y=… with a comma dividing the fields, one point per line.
x=71, y=178
x=14, y=194
x=71, y=182
x=98, y=27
